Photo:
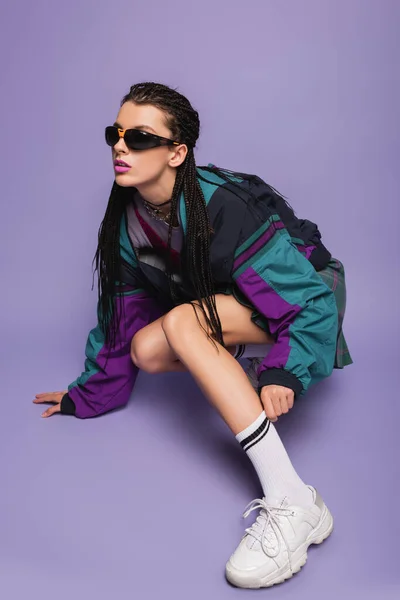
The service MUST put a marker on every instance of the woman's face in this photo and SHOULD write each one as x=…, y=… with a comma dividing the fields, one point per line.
x=146, y=166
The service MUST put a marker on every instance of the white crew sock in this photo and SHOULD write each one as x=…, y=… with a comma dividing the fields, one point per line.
x=252, y=350
x=277, y=476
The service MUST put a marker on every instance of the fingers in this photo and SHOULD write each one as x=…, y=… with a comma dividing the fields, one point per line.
x=48, y=397
x=269, y=408
x=277, y=400
x=51, y=411
x=51, y=393
x=52, y=398
x=43, y=398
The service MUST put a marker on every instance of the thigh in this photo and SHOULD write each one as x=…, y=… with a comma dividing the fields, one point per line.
x=237, y=326
x=150, y=346
x=150, y=343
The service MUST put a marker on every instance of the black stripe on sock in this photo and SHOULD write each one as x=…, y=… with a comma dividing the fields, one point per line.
x=240, y=351
x=259, y=439
x=255, y=433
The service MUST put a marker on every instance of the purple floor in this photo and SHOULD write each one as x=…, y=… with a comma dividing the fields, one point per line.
x=146, y=502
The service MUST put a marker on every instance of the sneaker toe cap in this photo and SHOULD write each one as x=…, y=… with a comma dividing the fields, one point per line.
x=248, y=562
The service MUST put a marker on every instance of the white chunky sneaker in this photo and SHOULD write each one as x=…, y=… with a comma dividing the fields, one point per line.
x=275, y=546
x=251, y=371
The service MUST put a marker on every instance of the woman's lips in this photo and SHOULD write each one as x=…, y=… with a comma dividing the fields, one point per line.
x=120, y=166
x=121, y=169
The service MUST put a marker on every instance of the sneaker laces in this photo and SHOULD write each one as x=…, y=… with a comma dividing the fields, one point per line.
x=267, y=526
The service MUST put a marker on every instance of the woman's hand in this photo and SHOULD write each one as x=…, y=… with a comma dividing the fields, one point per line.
x=276, y=400
x=53, y=398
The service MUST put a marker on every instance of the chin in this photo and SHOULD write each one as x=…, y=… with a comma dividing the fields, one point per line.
x=124, y=180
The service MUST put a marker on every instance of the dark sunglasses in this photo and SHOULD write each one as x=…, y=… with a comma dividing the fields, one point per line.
x=136, y=139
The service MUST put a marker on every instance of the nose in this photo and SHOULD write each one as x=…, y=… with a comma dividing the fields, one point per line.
x=120, y=146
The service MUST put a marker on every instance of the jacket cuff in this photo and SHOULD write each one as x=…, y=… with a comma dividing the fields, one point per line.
x=67, y=406
x=280, y=377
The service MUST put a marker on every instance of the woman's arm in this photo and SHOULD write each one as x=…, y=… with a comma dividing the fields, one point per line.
x=301, y=310
x=109, y=375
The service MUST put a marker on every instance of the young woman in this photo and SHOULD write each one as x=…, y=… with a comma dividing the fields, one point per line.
x=194, y=265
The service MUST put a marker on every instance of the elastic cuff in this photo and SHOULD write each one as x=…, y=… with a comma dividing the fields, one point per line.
x=67, y=406
x=280, y=377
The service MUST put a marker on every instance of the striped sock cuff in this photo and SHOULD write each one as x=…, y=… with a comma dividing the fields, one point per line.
x=254, y=432
x=251, y=350
x=239, y=351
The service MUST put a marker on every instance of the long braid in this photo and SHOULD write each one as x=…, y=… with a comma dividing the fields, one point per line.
x=107, y=260
x=183, y=122
x=198, y=245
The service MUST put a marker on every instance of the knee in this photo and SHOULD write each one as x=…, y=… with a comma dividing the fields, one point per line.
x=177, y=323
x=144, y=355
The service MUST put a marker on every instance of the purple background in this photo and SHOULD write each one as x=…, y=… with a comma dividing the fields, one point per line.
x=146, y=502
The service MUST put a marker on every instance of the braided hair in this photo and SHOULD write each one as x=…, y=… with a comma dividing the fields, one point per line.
x=183, y=122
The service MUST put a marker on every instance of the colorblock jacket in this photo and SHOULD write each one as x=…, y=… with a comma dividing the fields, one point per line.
x=260, y=247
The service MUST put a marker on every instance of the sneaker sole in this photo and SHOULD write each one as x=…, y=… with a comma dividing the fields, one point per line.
x=299, y=558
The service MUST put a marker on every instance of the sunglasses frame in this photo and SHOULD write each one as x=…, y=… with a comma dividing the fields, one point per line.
x=157, y=139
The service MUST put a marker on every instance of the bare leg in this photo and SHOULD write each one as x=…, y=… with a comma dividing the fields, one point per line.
x=151, y=352
x=217, y=373
x=227, y=387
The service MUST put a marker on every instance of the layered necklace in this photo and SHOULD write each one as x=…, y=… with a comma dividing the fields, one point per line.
x=155, y=211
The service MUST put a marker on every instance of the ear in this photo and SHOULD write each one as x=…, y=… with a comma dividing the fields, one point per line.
x=178, y=156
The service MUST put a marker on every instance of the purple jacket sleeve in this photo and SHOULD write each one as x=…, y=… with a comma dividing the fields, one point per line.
x=109, y=375
x=301, y=310
x=107, y=383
